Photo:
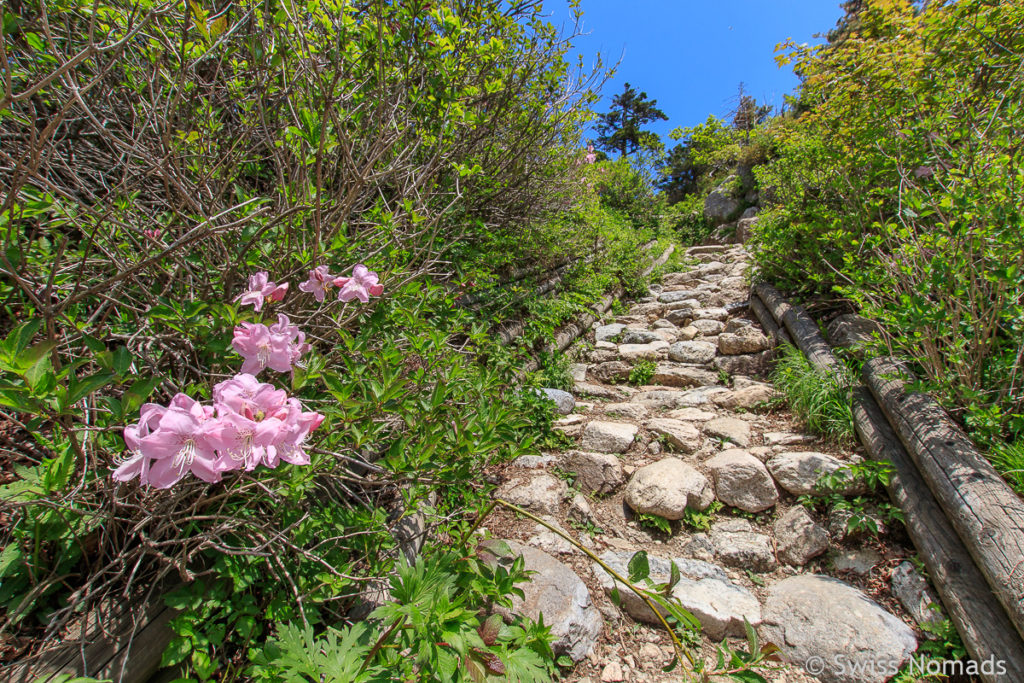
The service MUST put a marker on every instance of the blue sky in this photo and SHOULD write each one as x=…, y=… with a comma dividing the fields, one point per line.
x=690, y=55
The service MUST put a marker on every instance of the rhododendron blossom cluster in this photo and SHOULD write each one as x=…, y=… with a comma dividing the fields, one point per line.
x=362, y=285
x=277, y=347
x=250, y=423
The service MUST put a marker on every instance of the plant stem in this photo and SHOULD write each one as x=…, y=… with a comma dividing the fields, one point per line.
x=680, y=649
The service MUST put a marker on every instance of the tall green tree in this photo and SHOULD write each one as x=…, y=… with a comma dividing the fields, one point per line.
x=621, y=129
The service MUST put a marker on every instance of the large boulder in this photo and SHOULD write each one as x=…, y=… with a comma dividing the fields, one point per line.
x=667, y=488
x=834, y=631
x=722, y=205
x=703, y=589
x=560, y=595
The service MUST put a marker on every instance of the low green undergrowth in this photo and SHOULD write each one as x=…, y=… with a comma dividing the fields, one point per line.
x=822, y=403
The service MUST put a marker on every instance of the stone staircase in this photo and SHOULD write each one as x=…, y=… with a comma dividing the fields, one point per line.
x=698, y=447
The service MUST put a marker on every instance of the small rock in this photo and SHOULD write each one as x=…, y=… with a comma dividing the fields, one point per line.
x=550, y=542
x=786, y=439
x=651, y=351
x=638, y=337
x=564, y=402
x=578, y=372
x=595, y=472
x=741, y=480
x=669, y=375
x=708, y=328
x=663, y=324
x=745, y=340
x=687, y=333
x=612, y=673
x=599, y=391
x=541, y=493
x=532, y=462
x=557, y=592
x=916, y=596
x=676, y=296
x=630, y=411
x=834, y=629
x=729, y=429
x=651, y=655
x=682, y=435
x=745, y=398
x=608, y=437
x=745, y=364
x=691, y=415
x=667, y=488
x=860, y=561
x=694, y=352
x=579, y=510
x=717, y=313
x=798, y=538
x=736, y=544
x=611, y=371
x=608, y=333
x=798, y=471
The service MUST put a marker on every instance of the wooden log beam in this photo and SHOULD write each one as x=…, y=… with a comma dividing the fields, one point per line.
x=978, y=616
x=803, y=330
x=768, y=323
x=985, y=512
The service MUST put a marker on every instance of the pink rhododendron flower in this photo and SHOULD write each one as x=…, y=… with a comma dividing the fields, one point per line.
x=250, y=423
x=260, y=288
x=277, y=347
x=319, y=280
x=261, y=424
x=362, y=285
x=591, y=156
x=167, y=443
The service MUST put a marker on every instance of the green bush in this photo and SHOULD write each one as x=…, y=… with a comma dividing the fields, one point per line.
x=898, y=187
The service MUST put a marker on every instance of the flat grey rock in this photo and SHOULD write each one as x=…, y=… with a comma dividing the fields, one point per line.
x=540, y=492
x=729, y=429
x=682, y=436
x=834, y=630
x=564, y=402
x=608, y=437
x=703, y=589
x=555, y=591
x=799, y=471
x=693, y=352
x=798, y=537
x=736, y=544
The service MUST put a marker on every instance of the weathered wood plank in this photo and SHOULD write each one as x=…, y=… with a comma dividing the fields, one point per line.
x=977, y=614
x=768, y=323
x=803, y=330
x=985, y=512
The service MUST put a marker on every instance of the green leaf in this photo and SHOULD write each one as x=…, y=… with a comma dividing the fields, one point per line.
x=18, y=338
x=639, y=567
x=122, y=360
x=138, y=393
x=83, y=387
x=177, y=650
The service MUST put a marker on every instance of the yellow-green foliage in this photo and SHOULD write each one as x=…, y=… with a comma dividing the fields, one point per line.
x=900, y=186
